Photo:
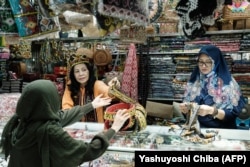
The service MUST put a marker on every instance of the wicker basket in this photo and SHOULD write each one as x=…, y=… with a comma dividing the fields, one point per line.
x=237, y=14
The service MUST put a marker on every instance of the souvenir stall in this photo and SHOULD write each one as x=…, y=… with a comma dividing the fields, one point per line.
x=149, y=45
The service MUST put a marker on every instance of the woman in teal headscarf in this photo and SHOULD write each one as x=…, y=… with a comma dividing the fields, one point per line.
x=34, y=136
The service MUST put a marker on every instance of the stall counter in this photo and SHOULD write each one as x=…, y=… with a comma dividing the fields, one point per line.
x=124, y=144
x=163, y=138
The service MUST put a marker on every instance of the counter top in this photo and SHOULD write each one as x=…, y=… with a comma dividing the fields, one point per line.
x=124, y=144
x=162, y=138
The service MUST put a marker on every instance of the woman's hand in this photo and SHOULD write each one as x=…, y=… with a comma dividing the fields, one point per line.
x=120, y=118
x=100, y=101
x=184, y=107
x=114, y=82
x=205, y=110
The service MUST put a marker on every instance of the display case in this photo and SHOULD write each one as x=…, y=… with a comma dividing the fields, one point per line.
x=124, y=144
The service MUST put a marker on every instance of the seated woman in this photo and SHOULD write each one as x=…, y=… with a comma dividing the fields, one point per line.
x=83, y=86
x=213, y=88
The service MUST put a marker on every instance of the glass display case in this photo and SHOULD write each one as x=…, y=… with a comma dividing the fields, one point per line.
x=124, y=144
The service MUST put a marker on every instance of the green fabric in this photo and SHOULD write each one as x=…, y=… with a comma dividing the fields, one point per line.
x=34, y=135
x=73, y=115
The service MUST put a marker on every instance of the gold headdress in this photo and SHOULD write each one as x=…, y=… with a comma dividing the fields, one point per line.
x=82, y=55
x=77, y=59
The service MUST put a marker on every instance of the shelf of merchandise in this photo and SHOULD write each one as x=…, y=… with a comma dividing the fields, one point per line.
x=154, y=39
x=207, y=33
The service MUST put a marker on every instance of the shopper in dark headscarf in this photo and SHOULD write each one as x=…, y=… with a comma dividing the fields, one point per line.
x=34, y=136
x=215, y=90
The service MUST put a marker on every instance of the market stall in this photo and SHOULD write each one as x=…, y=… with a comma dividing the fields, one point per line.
x=151, y=46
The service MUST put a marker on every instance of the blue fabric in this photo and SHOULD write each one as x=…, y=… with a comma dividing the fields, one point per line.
x=218, y=88
x=20, y=8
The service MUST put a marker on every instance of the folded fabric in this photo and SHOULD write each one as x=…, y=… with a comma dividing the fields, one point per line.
x=159, y=110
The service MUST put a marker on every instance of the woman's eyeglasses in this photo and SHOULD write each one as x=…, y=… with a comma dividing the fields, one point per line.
x=207, y=64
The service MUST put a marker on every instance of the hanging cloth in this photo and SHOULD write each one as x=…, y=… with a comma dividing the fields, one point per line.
x=130, y=74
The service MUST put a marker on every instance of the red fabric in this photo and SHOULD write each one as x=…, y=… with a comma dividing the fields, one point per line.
x=111, y=110
x=130, y=75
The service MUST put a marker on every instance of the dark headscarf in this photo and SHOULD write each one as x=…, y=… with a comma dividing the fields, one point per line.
x=218, y=88
x=34, y=135
x=36, y=109
x=220, y=66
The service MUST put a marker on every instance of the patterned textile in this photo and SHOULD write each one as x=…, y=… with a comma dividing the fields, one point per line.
x=8, y=102
x=245, y=42
x=133, y=10
x=7, y=23
x=35, y=24
x=21, y=6
x=193, y=15
x=160, y=85
x=155, y=9
x=29, y=21
x=27, y=25
x=107, y=24
x=226, y=42
x=130, y=74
